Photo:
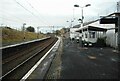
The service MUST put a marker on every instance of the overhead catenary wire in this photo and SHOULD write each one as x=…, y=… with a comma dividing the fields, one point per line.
x=11, y=16
x=8, y=17
x=29, y=11
x=11, y=20
x=36, y=11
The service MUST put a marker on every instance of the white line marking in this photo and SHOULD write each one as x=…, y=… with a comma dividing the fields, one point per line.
x=39, y=62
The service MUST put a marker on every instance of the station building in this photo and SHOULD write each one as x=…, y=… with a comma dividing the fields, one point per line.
x=110, y=26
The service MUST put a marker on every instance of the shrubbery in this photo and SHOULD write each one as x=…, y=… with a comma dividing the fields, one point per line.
x=101, y=42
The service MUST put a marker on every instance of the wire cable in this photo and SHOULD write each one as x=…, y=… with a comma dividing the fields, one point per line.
x=35, y=10
x=28, y=10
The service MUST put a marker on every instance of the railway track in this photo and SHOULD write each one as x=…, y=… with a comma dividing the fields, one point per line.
x=19, y=62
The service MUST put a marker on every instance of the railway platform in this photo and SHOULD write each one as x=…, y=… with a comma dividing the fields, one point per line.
x=71, y=61
x=68, y=60
x=88, y=62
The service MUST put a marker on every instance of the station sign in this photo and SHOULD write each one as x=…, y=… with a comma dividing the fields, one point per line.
x=109, y=20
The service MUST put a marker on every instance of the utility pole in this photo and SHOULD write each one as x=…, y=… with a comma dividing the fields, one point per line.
x=70, y=26
x=24, y=31
x=1, y=25
x=118, y=6
x=118, y=15
x=38, y=32
x=53, y=29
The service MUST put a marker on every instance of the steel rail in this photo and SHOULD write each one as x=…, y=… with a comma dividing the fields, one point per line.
x=20, y=65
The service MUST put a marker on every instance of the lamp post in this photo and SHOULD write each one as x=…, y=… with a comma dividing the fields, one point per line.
x=70, y=23
x=70, y=26
x=82, y=11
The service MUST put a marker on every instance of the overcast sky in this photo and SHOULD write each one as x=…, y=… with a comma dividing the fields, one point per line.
x=51, y=12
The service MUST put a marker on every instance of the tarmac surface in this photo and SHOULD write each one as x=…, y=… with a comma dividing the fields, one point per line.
x=88, y=62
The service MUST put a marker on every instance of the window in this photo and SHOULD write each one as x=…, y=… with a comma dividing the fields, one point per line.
x=92, y=34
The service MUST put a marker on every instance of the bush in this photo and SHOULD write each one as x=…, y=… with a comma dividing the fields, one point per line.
x=101, y=42
x=30, y=29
